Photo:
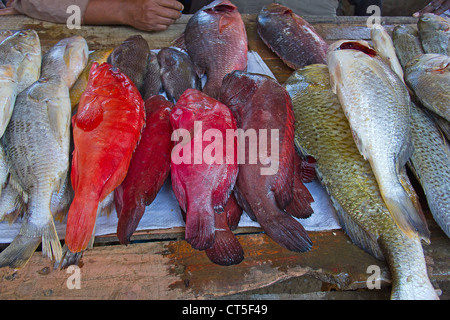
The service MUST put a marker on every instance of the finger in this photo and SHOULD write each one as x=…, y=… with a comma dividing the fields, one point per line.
x=172, y=4
x=164, y=21
x=160, y=27
x=168, y=13
x=430, y=7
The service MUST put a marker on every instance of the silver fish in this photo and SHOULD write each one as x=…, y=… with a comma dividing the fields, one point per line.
x=434, y=33
x=37, y=142
x=376, y=103
x=20, y=62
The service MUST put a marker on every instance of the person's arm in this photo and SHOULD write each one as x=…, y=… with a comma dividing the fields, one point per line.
x=147, y=15
x=437, y=7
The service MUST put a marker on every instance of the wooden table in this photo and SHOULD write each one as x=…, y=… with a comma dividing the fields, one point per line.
x=161, y=265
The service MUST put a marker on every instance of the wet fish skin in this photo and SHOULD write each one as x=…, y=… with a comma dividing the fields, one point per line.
x=323, y=132
x=216, y=41
x=260, y=103
x=76, y=50
x=177, y=73
x=20, y=65
x=146, y=173
x=428, y=75
x=106, y=129
x=79, y=86
x=434, y=33
x=202, y=188
x=152, y=81
x=377, y=105
x=293, y=39
x=131, y=58
x=407, y=43
x=431, y=164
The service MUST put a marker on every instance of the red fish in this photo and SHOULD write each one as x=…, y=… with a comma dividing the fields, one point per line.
x=106, y=129
x=259, y=103
x=149, y=168
x=202, y=185
x=216, y=40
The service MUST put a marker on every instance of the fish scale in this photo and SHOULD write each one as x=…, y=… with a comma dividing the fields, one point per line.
x=323, y=132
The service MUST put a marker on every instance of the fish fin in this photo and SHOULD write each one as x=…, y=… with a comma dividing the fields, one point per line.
x=226, y=249
x=199, y=230
x=244, y=204
x=129, y=220
x=233, y=212
x=219, y=196
x=19, y=251
x=283, y=228
x=307, y=169
x=51, y=246
x=179, y=42
x=300, y=206
x=284, y=184
x=419, y=220
x=87, y=119
x=358, y=235
x=68, y=258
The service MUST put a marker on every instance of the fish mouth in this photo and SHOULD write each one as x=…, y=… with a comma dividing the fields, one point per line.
x=356, y=45
x=222, y=8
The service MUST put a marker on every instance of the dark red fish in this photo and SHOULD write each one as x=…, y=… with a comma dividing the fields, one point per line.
x=216, y=40
x=149, y=168
x=293, y=39
x=260, y=103
x=106, y=129
x=202, y=183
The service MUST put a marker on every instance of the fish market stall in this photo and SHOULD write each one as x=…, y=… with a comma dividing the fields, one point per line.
x=160, y=264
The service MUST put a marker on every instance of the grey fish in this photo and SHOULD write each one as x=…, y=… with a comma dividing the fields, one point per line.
x=407, y=43
x=323, y=132
x=428, y=75
x=152, y=80
x=431, y=164
x=20, y=63
x=131, y=58
x=177, y=73
x=434, y=33
x=37, y=142
x=376, y=103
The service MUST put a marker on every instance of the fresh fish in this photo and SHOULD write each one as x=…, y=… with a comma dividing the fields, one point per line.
x=106, y=129
x=203, y=182
x=323, y=132
x=264, y=187
x=37, y=142
x=431, y=164
x=5, y=34
x=20, y=65
x=434, y=33
x=152, y=80
x=293, y=39
x=177, y=73
x=407, y=43
x=146, y=173
x=78, y=88
x=131, y=58
x=428, y=75
x=233, y=211
x=216, y=40
x=384, y=46
x=377, y=105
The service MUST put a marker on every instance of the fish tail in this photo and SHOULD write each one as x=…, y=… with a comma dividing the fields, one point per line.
x=19, y=251
x=68, y=258
x=199, y=232
x=226, y=249
x=406, y=215
x=300, y=206
x=128, y=220
x=51, y=246
x=81, y=223
x=283, y=228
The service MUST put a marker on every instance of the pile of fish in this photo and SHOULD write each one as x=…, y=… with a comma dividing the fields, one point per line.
x=352, y=114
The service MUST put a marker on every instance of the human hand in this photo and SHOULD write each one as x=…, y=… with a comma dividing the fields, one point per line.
x=151, y=15
x=437, y=7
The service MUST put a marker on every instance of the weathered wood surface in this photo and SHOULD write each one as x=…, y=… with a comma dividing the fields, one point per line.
x=166, y=267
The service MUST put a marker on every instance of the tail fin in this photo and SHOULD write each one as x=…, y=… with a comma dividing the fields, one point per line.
x=80, y=223
x=226, y=249
x=282, y=228
x=199, y=232
x=51, y=246
x=68, y=258
x=20, y=250
x=300, y=206
x=128, y=220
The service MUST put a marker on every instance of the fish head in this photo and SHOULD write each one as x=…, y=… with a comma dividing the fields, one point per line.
x=432, y=22
x=169, y=58
x=220, y=7
x=25, y=41
x=75, y=56
x=238, y=88
x=429, y=63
